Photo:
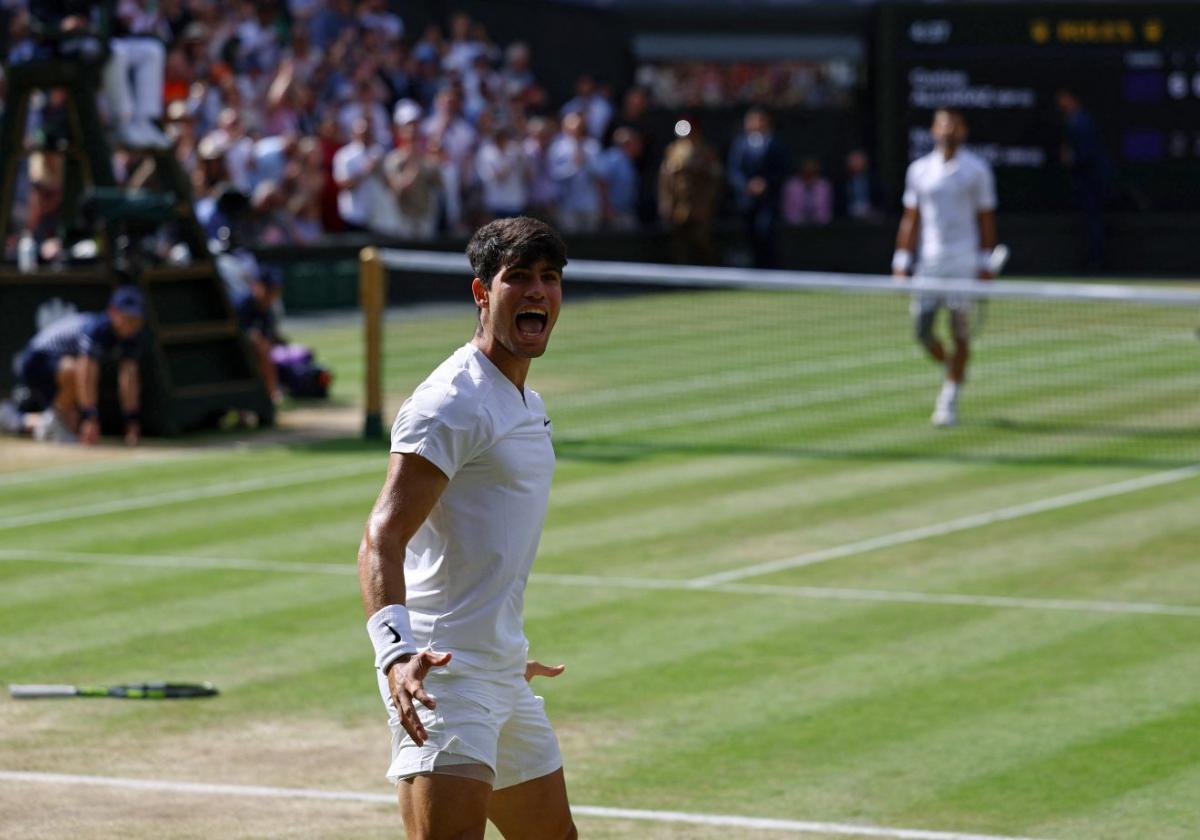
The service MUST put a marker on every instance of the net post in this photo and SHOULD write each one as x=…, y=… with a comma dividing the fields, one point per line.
x=372, y=293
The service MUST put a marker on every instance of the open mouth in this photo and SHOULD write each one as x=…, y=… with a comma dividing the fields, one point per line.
x=531, y=322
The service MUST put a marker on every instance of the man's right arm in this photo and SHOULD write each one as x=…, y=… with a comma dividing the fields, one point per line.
x=412, y=488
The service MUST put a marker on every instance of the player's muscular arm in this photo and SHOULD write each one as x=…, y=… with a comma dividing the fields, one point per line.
x=412, y=488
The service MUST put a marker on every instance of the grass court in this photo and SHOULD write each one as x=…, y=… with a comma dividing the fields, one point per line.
x=779, y=592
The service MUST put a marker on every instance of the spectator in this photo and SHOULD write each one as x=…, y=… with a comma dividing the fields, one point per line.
x=482, y=86
x=593, y=103
x=635, y=106
x=1083, y=157
x=455, y=136
x=305, y=182
x=413, y=178
x=859, y=200
x=573, y=161
x=235, y=146
x=518, y=77
x=688, y=181
x=256, y=313
x=463, y=47
x=808, y=196
x=618, y=171
x=367, y=105
x=356, y=172
x=257, y=35
x=452, y=139
x=543, y=189
x=269, y=158
x=504, y=171
x=757, y=167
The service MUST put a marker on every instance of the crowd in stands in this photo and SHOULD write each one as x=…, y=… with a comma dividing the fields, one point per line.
x=331, y=116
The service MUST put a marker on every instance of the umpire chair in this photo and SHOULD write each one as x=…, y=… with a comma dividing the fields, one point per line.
x=196, y=365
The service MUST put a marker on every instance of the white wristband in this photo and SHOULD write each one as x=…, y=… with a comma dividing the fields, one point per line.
x=902, y=260
x=391, y=634
x=985, y=261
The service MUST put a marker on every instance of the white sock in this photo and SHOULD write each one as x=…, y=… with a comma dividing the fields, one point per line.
x=949, y=394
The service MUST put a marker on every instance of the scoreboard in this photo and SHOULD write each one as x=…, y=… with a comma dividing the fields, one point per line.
x=1134, y=66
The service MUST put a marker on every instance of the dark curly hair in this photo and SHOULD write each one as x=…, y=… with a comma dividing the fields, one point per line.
x=520, y=241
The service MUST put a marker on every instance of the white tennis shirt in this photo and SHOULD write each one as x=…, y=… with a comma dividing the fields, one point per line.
x=949, y=194
x=465, y=569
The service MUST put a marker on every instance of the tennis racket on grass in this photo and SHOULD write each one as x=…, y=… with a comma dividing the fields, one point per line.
x=129, y=691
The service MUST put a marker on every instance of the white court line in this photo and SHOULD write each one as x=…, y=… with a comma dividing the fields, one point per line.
x=889, y=596
x=69, y=512
x=812, y=593
x=731, y=821
x=963, y=523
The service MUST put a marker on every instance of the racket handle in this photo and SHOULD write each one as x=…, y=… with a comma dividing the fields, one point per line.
x=19, y=692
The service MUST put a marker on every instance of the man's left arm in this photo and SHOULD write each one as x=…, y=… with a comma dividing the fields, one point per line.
x=987, y=241
x=129, y=393
x=985, y=202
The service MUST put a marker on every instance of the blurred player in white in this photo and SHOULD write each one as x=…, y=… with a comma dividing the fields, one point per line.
x=950, y=197
x=446, y=553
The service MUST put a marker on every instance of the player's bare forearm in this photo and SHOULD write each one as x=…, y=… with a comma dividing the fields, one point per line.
x=412, y=488
x=987, y=230
x=906, y=235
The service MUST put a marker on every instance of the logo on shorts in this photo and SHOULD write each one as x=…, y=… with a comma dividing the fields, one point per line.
x=546, y=422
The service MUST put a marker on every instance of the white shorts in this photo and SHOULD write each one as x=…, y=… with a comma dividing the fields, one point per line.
x=953, y=269
x=489, y=717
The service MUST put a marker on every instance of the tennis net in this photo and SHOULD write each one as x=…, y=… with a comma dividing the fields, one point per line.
x=678, y=358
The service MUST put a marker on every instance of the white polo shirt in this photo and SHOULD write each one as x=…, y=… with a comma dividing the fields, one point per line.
x=465, y=569
x=950, y=194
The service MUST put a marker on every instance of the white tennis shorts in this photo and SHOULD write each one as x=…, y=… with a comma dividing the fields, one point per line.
x=489, y=717
x=954, y=269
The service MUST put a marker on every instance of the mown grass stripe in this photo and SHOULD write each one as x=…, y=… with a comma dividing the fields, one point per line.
x=960, y=524
x=190, y=494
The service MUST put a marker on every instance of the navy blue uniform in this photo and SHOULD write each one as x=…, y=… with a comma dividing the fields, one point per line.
x=82, y=334
x=252, y=318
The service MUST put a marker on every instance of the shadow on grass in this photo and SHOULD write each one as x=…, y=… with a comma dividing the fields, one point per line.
x=988, y=441
x=1162, y=449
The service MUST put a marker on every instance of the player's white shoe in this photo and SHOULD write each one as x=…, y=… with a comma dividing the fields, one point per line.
x=945, y=411
x=945, y=416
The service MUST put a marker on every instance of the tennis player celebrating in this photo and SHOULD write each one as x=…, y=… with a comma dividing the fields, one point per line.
x=446, y=553
x=950, y=195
